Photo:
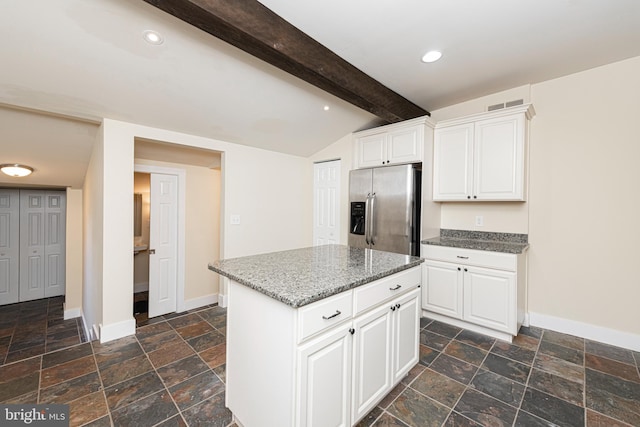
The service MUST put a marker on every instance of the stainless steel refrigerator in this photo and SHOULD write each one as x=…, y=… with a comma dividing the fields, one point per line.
x=384, y=208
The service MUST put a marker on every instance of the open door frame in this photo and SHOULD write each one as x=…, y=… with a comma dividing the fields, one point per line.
x=181, y=174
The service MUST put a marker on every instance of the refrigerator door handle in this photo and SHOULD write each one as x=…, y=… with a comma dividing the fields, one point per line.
x=372, y=230
x=366, y=219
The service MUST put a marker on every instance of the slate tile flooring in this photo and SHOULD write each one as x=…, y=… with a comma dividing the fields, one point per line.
x=172, y=373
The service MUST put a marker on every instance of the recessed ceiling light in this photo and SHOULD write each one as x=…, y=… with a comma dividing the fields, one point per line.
x=152, y=37
x=432, y=56
x=16, y=170
x=326, y=108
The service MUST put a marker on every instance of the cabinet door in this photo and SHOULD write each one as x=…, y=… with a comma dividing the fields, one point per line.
x=325, y=380
x=442, y=288
x=371, y=150
x=453, y=163
x=372, y=359
x=405, y=145
x=490, y=298
x=499, y=158
x=406, y=334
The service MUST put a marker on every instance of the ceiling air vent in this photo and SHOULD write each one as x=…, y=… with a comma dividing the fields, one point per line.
x=514, y=103
x=495, y=107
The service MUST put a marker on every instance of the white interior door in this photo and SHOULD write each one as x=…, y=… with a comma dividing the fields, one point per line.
x=32, y=220
x=326, y=203
x=9, y=245
x=163, y=244
x=54, y=240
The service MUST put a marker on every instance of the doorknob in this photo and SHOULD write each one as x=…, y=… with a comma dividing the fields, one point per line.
x=152, y=251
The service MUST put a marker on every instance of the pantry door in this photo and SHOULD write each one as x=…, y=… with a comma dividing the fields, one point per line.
x=9, y=245
x=326, y=203
x=163, y=244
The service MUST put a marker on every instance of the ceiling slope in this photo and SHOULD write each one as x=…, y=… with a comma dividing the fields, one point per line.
x=252, y=27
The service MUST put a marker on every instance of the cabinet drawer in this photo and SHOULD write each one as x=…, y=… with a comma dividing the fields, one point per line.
x=497, y=260
x=323, y=314
x=377, y=292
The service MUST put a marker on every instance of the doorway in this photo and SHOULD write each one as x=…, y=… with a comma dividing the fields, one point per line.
x=158, y=241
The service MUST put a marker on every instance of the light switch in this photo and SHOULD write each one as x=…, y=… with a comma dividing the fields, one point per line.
x=235, y=219
x=479, y=221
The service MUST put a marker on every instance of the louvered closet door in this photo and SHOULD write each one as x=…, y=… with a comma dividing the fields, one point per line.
x=9, y=245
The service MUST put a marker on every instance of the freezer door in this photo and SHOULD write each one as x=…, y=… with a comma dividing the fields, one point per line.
x=359, y=188
x=393, y=204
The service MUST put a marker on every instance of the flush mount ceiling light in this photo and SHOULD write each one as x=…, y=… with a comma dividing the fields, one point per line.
x=16, y=170
x=326, y=108
x=432, y=56
x=152, y=37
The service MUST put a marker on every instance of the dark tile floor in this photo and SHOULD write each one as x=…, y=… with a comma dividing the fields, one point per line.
x=172, y=373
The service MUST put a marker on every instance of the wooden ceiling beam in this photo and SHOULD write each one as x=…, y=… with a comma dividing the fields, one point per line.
x=253, y=28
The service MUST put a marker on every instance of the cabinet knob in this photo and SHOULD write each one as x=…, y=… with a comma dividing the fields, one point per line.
x=468, y=197
x=397, y=305
x=383, y=162
x=352, y=331
x=475, y=197
x=459, y=269
x=393, y=308
x=466, y=269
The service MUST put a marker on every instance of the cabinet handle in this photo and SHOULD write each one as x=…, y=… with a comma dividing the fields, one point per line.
x=337, y=313
x=352, y=331
x=462, y=257
x=395, y=288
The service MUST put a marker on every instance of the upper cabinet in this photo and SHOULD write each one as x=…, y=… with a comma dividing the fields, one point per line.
x=482, y=157
x=392, y=144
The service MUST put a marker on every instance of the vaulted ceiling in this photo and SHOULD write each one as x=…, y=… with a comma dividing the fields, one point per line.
x=87, y=60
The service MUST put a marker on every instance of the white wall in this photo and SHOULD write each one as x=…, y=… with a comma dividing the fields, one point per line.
x=584, y=205
x=270, y=192
x=73, y=258
x=93, y=231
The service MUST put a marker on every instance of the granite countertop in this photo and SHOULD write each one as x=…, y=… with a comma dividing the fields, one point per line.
x=302, y=276
x=510, y=243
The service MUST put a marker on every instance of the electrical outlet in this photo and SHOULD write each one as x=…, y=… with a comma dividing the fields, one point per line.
x=235, y=219
x=479, y=221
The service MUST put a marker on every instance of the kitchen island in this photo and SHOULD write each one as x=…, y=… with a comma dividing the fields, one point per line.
x=318, y=336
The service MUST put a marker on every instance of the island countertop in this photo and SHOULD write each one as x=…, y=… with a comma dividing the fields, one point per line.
x=302, y=276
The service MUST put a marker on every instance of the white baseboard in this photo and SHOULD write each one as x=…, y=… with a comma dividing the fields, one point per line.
x=94, y=333
x=140, y=287
x=586, y=330
x=71, y=313
x=200, y=302
x=117, y=330
x=223, y=300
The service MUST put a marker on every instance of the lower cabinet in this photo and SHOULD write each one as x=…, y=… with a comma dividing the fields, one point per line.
x=349, y=351
x=479, y=290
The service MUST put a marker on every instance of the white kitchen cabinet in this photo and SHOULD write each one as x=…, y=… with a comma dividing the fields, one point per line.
x=392, y=144
x=482, y=157
x=385, y=349
x=325, y=380
x=478, y=290
x=331, y=361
